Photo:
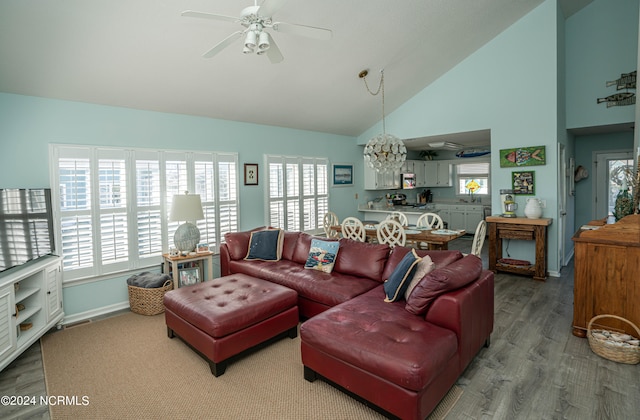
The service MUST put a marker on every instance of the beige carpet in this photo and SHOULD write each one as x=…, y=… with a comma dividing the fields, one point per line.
x=127, y=368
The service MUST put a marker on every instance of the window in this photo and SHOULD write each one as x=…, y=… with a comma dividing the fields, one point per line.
x=298, y=192
x=112, y=204
x=473, y=176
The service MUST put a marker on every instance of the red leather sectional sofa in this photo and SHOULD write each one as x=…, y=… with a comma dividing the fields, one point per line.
x=401, y=357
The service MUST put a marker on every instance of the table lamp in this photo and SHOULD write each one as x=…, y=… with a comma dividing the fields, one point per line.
x=187, y=208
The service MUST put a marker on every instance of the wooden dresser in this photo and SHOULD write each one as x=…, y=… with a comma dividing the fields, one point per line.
x=607, y=275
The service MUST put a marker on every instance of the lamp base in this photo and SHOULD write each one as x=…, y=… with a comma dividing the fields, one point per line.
x=187, y=237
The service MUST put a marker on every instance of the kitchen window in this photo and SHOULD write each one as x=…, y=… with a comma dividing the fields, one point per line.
x=473, y=178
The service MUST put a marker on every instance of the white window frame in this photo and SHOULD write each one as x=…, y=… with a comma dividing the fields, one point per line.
x=297, y=194
x=213, y=175
x=471, y=169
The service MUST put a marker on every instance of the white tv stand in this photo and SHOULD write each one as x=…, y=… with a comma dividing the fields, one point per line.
x=39, y=290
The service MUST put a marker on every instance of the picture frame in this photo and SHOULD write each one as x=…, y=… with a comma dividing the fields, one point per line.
x=202, y=248
x=342, y=174
x=523, y=156
x=250, y=174
x=523, y=182
x=189, y=276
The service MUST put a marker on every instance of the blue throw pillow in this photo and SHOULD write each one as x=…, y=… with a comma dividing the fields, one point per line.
x=397, y=283
x=265, y=245
x=322, y=255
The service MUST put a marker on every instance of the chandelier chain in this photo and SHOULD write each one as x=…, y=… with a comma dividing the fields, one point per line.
x=379, y=90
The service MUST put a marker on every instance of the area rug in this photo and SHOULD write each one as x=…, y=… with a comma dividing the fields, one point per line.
x=126, y=367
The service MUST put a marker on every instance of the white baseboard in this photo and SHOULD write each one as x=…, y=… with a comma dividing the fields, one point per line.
x=94, y=313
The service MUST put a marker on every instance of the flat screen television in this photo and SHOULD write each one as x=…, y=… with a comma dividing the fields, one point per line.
x=26, y=226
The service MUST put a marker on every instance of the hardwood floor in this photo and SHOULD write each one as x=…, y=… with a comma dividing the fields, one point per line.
x=534, y=369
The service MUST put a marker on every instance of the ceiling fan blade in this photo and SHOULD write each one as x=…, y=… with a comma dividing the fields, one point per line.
x=222, y=44
x=269, y=7
x=303, y=30
x=204, y=15
x=274, y=54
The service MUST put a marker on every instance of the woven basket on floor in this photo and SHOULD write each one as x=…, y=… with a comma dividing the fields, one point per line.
x=145, y=301
x=606, y=349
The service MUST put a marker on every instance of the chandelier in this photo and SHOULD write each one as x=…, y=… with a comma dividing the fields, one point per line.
x=384, y=152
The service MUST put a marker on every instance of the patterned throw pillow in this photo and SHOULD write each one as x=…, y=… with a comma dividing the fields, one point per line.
x=424, y=267
x=397, y=283
x=265, y=245
x=322, y=255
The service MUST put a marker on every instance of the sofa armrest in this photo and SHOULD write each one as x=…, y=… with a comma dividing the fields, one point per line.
x=224, y=260
x=469, y=312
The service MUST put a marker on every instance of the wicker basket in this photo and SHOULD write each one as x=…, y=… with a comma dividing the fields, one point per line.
x=604, y=348
x=145, y=301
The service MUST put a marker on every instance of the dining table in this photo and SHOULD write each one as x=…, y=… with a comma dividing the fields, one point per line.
x=436, y=239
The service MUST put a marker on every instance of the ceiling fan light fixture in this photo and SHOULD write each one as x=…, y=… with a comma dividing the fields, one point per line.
x=247, y=50
x=250, y=40
x=263, y=41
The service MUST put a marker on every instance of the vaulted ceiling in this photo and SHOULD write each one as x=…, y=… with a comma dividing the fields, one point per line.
x=143, y=54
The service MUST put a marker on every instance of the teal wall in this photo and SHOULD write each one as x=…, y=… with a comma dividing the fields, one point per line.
x=601, y=43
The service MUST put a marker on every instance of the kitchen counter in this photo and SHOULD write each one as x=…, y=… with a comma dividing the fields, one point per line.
x=456, y=215
x=424, y=208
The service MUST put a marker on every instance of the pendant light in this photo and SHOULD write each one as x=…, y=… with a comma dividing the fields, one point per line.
x=384, y=152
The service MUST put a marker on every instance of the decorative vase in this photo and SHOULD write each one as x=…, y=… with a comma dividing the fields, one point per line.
x=533, y=210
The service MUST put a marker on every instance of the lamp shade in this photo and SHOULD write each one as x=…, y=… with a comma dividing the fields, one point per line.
x=186, y=207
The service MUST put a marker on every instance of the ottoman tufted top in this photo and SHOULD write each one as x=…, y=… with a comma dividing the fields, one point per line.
x=228, y=304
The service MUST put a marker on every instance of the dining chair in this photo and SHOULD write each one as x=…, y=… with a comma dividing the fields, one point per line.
x=392, y=233
x=399, y=217
x=353, y=228
x=330, y=220
x=431, y=220
x=478, y=238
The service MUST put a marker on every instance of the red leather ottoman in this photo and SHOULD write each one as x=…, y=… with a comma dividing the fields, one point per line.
x=222, y=317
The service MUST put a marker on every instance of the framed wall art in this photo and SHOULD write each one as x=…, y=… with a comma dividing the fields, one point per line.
x=522, y=156
x=342, y=175
x=250, y=174
x=523, y=182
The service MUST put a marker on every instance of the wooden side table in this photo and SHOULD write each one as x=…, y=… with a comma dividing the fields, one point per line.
x=518, y=228
x=171, y=265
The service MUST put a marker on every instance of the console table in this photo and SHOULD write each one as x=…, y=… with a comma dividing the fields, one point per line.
x=518, y=228
x=606, y=274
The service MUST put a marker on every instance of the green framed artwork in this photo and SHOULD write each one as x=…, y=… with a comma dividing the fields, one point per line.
x=522, y=156
x=523, y=182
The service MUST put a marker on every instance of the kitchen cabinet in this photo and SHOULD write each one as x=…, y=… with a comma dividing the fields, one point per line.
x=374, y=180
x=461, y=216
x=464, y=216
x=444, y=211
x=437, y=174
x=416, y=167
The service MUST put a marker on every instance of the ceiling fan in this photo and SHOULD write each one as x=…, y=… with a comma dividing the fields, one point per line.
x=256, y=20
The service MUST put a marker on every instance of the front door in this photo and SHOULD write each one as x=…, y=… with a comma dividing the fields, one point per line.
x=610, y=167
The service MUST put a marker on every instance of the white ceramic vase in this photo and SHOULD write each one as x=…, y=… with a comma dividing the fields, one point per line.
x=533, y=210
